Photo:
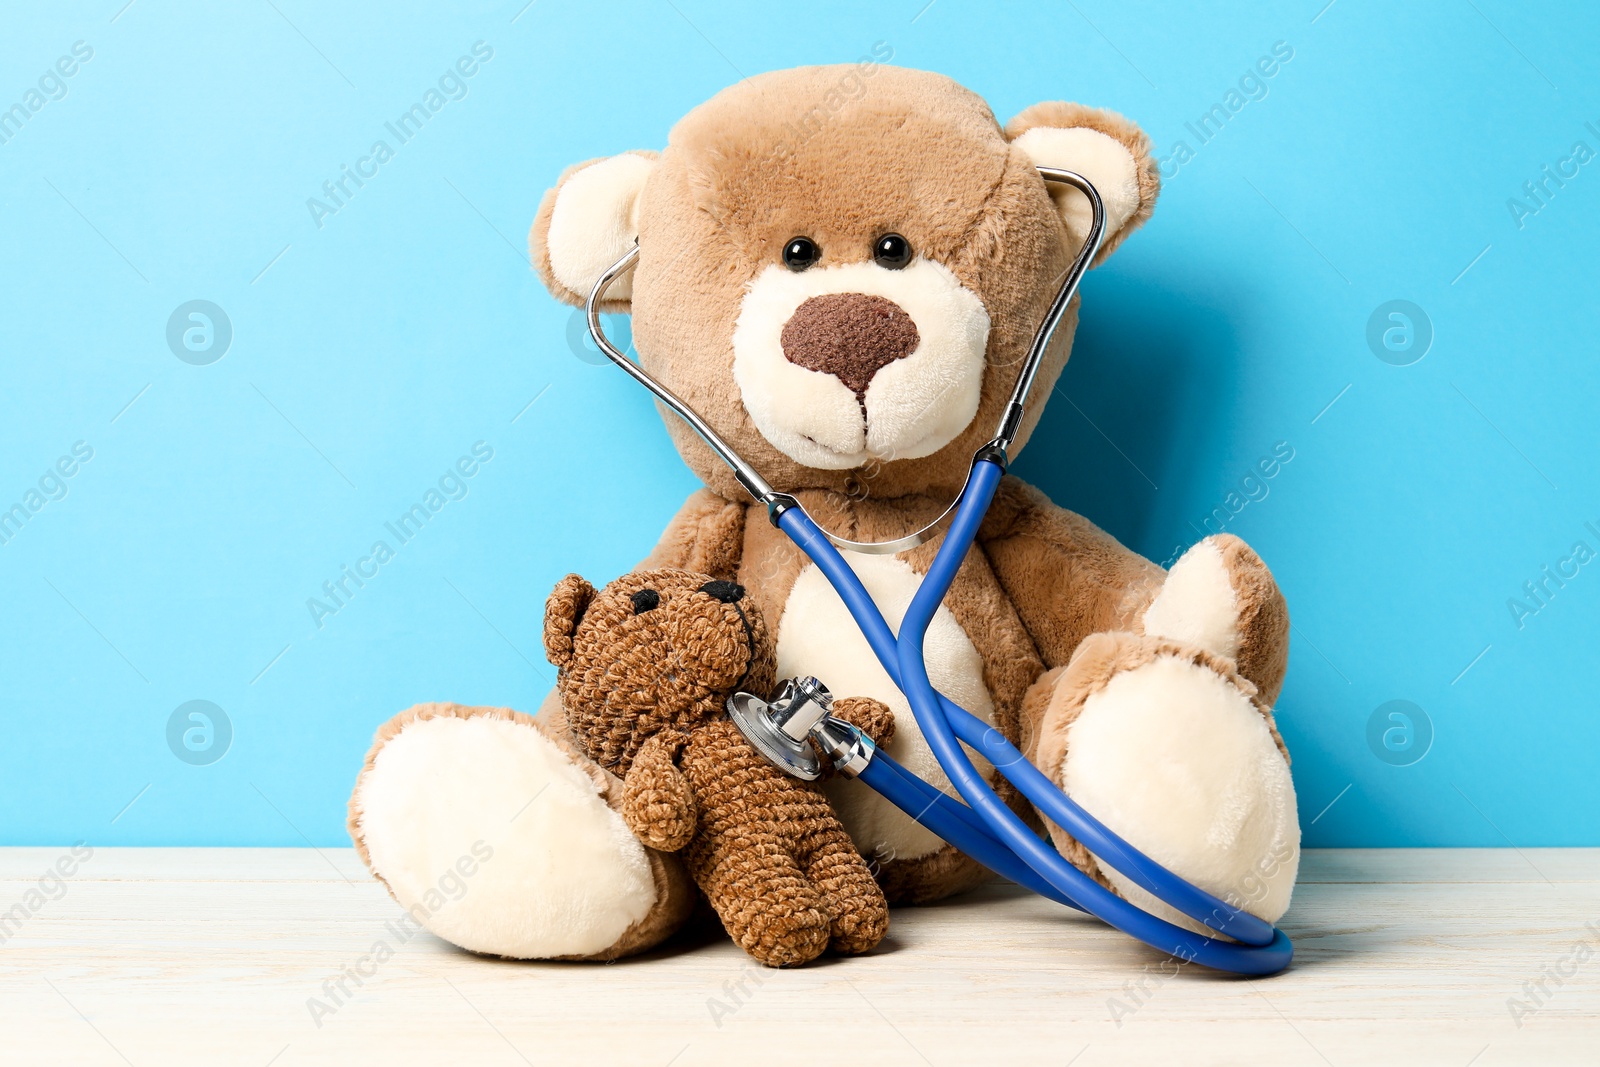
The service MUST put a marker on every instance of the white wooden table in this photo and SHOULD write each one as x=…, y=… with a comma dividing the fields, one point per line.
x=212, y=956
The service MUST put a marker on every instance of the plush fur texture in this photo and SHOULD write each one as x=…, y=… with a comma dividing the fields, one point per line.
x=1197, y=604
x=1058, y=134
x=915, y=154
x=646, y=666
x=597, y=222
x=1050, y=622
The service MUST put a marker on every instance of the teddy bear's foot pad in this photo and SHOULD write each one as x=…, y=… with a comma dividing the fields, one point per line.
x=1168, y=746
x=492, y=836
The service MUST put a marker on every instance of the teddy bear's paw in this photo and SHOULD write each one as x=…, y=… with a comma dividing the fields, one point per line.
x=1167, y=745
x=497, y=838
x=1221, y=597
x=784, y=937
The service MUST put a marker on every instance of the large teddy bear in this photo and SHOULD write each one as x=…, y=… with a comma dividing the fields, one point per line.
x=841, y=268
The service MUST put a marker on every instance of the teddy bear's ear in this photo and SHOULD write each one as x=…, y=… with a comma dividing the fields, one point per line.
x=561, y=614
x=586, y=223
x=1102, y=146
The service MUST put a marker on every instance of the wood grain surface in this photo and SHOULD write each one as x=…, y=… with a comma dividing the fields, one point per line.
x=217, y=956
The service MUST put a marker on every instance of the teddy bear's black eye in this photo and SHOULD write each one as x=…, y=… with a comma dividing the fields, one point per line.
x=645, y=600
x=800, y=253
x=891, y=251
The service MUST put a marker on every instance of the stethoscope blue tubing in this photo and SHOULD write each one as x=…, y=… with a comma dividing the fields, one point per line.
x=985, y=828
x=956, y=823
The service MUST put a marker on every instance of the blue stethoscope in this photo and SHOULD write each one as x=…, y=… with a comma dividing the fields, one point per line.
x=791, y=729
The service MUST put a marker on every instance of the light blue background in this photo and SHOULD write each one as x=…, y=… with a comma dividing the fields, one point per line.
x=369, y=354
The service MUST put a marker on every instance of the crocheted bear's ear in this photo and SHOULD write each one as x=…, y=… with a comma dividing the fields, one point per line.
x=561, y=615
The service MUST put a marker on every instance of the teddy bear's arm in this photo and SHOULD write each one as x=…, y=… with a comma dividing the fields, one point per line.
x=1069, y=579
x=871, y=717
x=706, y=535
x=1065, y=576
x=657, y=801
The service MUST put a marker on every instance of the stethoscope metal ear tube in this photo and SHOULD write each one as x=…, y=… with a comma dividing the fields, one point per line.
x=984, y=827
x=748, y=476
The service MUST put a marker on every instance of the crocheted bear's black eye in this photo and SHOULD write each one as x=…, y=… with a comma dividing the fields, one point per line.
x=645, y=600
x=727, y=592
x=800, y=253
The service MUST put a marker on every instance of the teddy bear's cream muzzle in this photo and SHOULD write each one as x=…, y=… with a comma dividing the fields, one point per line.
x=839, y=366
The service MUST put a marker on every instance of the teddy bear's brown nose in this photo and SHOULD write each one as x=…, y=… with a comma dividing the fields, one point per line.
x=849, y=335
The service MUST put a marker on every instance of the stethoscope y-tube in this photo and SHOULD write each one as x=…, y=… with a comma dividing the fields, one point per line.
x=983, y=827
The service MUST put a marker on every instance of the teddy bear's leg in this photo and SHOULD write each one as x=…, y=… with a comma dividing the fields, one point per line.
x=765, y=902
x=1166, y=739
x=859, y=915
x=497, y=835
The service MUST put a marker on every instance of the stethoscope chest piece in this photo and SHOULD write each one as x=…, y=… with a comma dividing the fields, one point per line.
x=758, y=721
x=795, y=731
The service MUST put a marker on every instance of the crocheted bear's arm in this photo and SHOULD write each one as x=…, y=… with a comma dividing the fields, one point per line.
x=871, y=717
x=657, y=802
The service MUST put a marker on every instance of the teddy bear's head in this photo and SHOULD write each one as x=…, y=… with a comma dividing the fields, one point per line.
x=653, y=650
x=841, y=268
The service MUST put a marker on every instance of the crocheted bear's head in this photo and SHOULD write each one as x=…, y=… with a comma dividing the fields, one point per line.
x=653, y=650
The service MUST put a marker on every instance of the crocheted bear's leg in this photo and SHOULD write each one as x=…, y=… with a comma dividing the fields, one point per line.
x=858, y=912
x=767, y=905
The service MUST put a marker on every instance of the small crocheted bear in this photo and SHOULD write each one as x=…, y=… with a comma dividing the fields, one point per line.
x=646, y=666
